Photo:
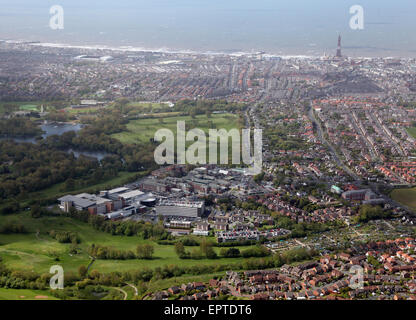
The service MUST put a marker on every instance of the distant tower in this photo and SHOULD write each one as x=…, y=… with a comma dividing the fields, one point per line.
x=339, y=54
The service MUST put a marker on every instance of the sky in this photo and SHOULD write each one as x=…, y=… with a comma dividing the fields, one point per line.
x=288, y=27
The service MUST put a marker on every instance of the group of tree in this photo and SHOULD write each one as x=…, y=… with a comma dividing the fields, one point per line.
x=19, y=127
x=26, y=279
x=368, y=212
x=12, y=228
x=143, y=251
x=65, y=236
x=110, y=253
x=205, y=250
x=33, y=167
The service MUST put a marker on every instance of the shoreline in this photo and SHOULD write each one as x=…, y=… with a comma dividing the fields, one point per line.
x=164, y=50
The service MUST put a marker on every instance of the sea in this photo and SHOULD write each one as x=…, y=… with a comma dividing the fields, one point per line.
x=281, y=27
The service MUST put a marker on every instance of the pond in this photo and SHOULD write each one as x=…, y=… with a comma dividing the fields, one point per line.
x=56, y=128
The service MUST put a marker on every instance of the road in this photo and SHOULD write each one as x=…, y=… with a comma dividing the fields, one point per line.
x=301, y=243
x=136, y=292
x=321, y=136
x=122, y=291
x=329, y=238
x=359, y=128
x=388, y=224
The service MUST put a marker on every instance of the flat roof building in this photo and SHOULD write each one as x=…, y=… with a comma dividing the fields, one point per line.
x=131, y=195
x=185, y=209
x=78, y=203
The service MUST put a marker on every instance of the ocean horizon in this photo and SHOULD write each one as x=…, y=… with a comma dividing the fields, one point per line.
x=295, y=28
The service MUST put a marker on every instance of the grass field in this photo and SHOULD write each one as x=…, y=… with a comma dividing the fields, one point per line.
x=412, y=131
x=40, y=252
x=144, y=129
x=17, y=104
x=85, y=110
x=405, y=196
x=148, y=106
x=26, y=106
x=22, y=294
x=29, y=107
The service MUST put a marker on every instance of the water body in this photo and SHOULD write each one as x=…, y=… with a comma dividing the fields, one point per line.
x=300, y=27
x=51, y=129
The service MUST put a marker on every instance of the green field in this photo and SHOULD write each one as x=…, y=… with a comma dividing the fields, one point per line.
x=18, y=105
x=405, y=196
x=148, y=106
x=412, y=131
x=23, y=294
x=86, y=110
x=29, y=107
x=25, y=106
x=144, y=129
x=39, y=252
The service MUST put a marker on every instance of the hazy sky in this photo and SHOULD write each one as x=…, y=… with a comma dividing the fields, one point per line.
x=296, y=26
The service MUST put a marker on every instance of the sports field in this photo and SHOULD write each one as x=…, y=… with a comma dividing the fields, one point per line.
x=144, y=129
x=412, y=131
x=29, y=107
x=405, y=196
x=149, y=106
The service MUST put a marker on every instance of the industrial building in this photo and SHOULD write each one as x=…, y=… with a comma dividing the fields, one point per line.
x=113, y=204
x=359, y=195
x=185, y=209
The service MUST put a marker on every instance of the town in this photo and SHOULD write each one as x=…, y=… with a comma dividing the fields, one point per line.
x=335, y=191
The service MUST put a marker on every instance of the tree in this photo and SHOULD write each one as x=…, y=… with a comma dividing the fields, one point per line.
x=210, y=253
x=193, y=113
x=207, y=249
x=8, y=108
x=145, y=251
x=69, y=184
x=95, y=274
x=230, y=253
x=179, y=249
x=82, y=271
x=259, y=178
x=36, y=211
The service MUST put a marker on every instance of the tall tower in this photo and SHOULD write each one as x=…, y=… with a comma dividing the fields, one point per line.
x=339, y=54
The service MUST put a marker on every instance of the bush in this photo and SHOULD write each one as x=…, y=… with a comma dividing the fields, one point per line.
x=10, y=209
x=65, y=236
x=11, y=227
x=230, y=253
x=258, y=251
x=145, y=251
